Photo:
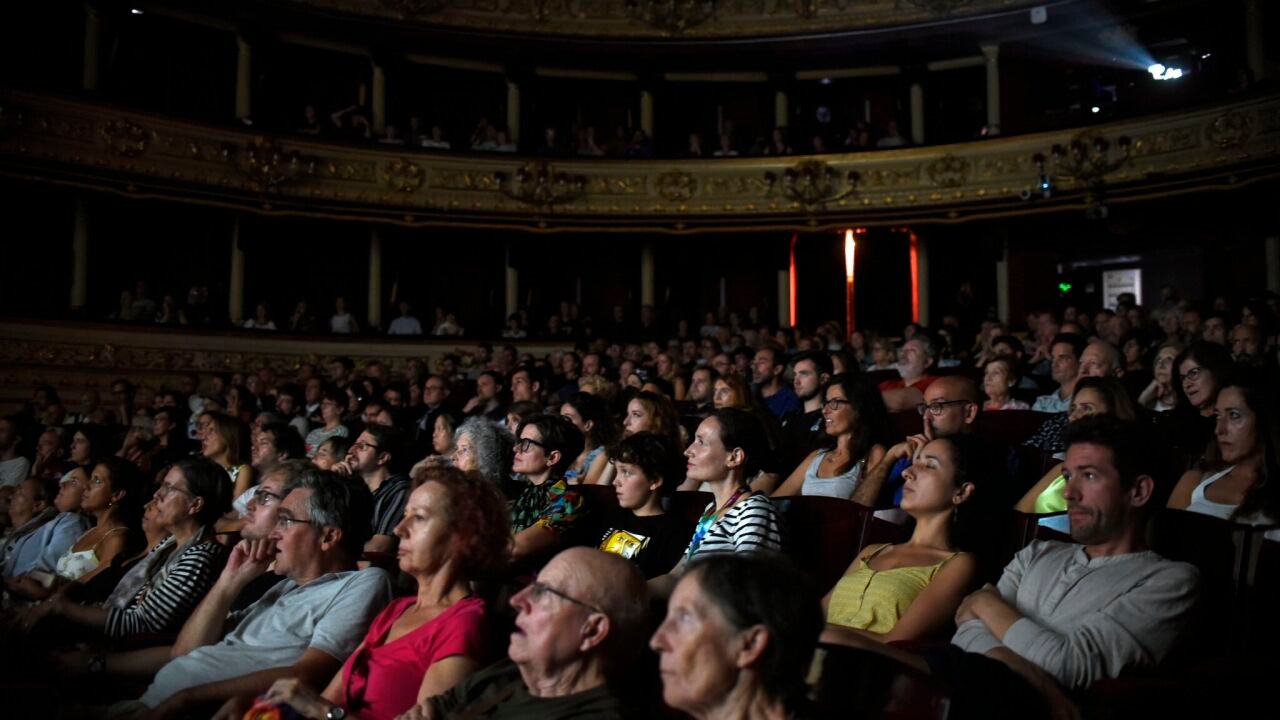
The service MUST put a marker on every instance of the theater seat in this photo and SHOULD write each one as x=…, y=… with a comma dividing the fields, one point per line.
x=1010, y=426
x=823, y=535
x=689, y=504
x=853, y=683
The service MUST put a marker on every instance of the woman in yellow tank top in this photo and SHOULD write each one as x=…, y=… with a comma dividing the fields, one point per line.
x=911, y=591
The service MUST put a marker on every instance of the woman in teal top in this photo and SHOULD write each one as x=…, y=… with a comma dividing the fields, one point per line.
x=911, y=591
x=1093, y=396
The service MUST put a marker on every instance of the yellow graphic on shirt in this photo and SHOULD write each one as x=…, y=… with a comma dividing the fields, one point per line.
x=626, y=544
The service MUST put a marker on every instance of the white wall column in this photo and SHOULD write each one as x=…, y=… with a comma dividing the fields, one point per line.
x=1273, y=263
x=1255, y=45
x=1002, y=284
x=917, y=113
x=80, y=256
x=780, y=114
x=784, y=298
x=235, y=289
x=922, y=279
x=646, y=273
x=513, y=112
x=646, y=112
x=379, y=99
x=513, y=285
x=991, y=60
x=375, y=278
x=92, y=39
x=244, y=78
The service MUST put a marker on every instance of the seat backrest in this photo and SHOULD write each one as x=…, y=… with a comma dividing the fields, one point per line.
x=854, y=683
x=823, y=535
x=1010, y=426
x=689, y=504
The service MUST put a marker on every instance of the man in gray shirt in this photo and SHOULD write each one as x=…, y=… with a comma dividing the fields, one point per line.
x=304, y=627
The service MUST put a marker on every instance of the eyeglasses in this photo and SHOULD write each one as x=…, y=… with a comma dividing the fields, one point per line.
x=539, y=590
x=936, y=408
x=364, y=446
x=264, y=498
x=1193, y=374
x=522, y=445
x=164, y=491
x=834, y=404
x=284, y=522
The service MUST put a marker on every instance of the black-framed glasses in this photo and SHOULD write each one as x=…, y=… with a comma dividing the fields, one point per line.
x=264, y=497
x=284, y=522
x=539, y=590
x=523, y=444
x=164, y=491
x=364, y=446
x=1193, y=374
x=834, y=404
x=936, y=408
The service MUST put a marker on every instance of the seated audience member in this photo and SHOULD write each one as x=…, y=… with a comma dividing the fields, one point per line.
x=950, y=407
x=854, y=422
x=1065, y=615
x=648, y=470
x=591, y=415
x=372, y=458
x=1099, y=359
x=999, y=378
x=1199, y=373
x=158, y=594
x=38, y=550
x=1235, y=483
x=646, y=412
x=768, y=368
x=701, y=386
x=228, y=445
x=53, y=447
x=801, y=431
x=915, y=358
x=578, y=631
x=1248, y=346
x=1093, y=396
x=911, y=591
x=727, y=450
x=442, y=434
x=304, y=627
x=485, y=448
x=546, y=508
x=738, y=639
x=331, y=452
x=14, y=467
x=488, y=399
x=1160, y=395
x=331, y=407
x=1064, y=368
x=112, y=495
x=455, y=532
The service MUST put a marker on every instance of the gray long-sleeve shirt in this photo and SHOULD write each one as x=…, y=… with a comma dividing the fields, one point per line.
x=1087, y=619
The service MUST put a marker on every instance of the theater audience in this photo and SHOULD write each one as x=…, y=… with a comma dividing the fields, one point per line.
x=854, y=422
x=648, y=471
x=455, y=531
x=1160, y=396
x=14, y=467
x=375, y=459
x=1064, y=368
x=331, y=405
x=999, y=378
x=915, y=358
x=767, y=375
x=590, y=414
x=546, y=509
x=738, y=638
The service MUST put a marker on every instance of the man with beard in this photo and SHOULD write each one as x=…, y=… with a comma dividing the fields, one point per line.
x=767, y=368
x=802, y=429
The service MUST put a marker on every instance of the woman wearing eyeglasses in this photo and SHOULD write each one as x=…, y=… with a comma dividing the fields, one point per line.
x=854, y=420
x=158, y=594
x=543, y=513
x=455, y=532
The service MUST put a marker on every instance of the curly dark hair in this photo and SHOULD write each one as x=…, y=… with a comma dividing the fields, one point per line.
x=477, y=514
x=657, y=456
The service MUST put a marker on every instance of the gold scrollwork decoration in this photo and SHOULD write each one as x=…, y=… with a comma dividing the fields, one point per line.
x=125, y=138
x=813, y=183
x=410, y=9
x=1231, y=129
x=676, y=186
x=404, y=175
x=671, y=16
x=538, y=183
x=268, y=166
x=948, y=171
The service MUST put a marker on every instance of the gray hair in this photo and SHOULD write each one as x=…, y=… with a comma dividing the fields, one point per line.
x=291, y=473
x=492, y=445
x=926, y=344
x=339, y=502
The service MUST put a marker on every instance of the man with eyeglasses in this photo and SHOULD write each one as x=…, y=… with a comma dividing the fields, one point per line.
x=435, y=394
x=578, y=627
x=950, y=407
x=304, y=627
x=373, y=457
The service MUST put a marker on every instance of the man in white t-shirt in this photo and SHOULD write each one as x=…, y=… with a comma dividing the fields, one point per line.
x=13, y=467
x=406, y=324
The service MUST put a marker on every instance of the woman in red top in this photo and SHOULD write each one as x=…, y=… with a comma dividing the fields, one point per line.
x=455, y=530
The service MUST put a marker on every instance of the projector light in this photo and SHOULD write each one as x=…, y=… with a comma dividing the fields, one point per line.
x=1095, y=109
x=1160, y=72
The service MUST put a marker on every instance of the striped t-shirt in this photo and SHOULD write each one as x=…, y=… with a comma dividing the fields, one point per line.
x=749, y=526
x=162, y=605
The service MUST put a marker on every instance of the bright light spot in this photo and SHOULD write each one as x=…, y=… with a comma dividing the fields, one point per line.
x=1206, y=56
x=825, y=81
x=1064, y=287
x=135, y=11
x=1160, y=72
x=1095, y=109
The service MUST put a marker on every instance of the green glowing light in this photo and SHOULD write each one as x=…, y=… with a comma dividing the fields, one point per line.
x=1064, y=287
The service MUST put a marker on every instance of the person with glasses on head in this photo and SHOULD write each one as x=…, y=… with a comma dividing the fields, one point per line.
x=579, y=627
x=374, y=457
x=853, y=423
x=544, y=512
x=950, y=406
x=304, y=627
x=455, y=532
x=157, y=595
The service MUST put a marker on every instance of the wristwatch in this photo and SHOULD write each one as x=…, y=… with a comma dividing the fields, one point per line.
x=337, y=712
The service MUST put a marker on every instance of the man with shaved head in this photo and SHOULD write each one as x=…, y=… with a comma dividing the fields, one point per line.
x=951, y=406
x=577, y=626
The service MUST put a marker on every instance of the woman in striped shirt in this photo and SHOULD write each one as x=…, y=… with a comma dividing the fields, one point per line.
x=726, y=453
x=157, y=595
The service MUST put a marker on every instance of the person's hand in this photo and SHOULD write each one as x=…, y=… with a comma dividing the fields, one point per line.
x=471, y=405
x=968, y=607
x=248, y=560
x=291, y=692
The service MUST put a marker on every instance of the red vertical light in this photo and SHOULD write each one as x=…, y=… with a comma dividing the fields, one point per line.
x=915, y=277
x=791, y=282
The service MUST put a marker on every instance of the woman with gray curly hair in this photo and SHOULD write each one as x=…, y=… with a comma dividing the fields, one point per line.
x=485, y=447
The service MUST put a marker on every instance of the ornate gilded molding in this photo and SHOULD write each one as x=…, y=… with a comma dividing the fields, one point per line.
x=646, y=19
x=79, y=144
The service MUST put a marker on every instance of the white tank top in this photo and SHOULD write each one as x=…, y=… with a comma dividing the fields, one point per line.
x=1205, y=506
